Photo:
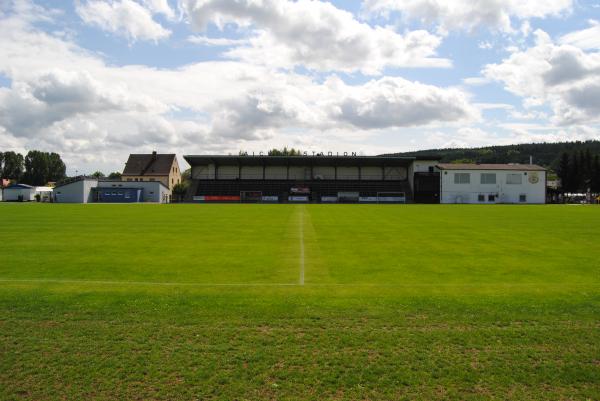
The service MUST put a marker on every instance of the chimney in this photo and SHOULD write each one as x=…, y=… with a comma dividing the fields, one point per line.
x=154, y=155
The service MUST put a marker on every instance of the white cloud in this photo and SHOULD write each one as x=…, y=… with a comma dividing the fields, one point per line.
x=160, y=7
x=206, y=41
x=29, y=107
x=123, y=17
x=585, y=39
x=70, y=100
x=469, y=14
x=563, y=76
x=314, y=34
x=396, y=102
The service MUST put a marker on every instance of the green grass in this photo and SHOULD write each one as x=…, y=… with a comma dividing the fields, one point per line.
x=185, y=302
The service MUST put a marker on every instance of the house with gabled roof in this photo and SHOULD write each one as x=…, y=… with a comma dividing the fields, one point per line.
x=153, y=167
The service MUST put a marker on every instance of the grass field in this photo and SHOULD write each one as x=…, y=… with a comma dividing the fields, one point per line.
x=299, y=302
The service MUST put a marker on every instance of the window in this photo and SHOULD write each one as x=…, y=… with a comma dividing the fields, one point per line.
x=481, y=198
x=129, y=179
x=491, y=198
x=120, y=193
x=522, y=198
x=462, y=178
x=114, y=194
x=151, y=179
x=514, y=179
x=488, y=178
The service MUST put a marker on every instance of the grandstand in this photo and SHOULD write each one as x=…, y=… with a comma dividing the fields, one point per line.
x=317, y=178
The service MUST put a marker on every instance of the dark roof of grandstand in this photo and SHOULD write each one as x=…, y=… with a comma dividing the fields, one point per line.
x=151, y=164
x=474, y=166
x=311, y=160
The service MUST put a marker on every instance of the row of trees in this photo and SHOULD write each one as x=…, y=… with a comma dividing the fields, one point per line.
x=277, y=152
x=113, y=176
x=579, y=171
x=35, y=168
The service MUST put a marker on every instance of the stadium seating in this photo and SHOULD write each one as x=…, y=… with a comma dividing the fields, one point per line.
x=282, y=188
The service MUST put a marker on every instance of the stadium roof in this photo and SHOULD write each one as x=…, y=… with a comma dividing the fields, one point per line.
x=310, y=160
x=473, y=166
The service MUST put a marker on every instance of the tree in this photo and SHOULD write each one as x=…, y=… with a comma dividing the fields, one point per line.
x=43, y=167
x=36, y=168
x=595, y=181
x=56, y=168
x=179, y=191
x=13, y=166
x=98, y=174
x=115, y=175
x=574, y=174
x=564, y=172
x=284, y=152
x=1, y=165
x=186, y=176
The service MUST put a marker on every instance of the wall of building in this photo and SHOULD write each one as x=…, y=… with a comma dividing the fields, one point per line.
x=207, y=172
x=395, y=173
x=153, y=191
x=324, y=172
x=252, y=173
x=228, y=172
x=533, y=187
x=160, y=178
x=371, y=173
x=75, y=192
x=202, y=173
x=275, y=172
x=12, y=194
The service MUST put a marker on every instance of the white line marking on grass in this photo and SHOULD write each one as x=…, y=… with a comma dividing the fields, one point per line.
x=301, y=281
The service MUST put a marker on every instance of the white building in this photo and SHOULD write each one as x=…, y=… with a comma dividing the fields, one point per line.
x=87, y=190
x=78, y=191
x=492, y=183
x=26, y=193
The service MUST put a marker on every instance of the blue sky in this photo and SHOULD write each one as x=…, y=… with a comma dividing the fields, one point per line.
x=96, y=80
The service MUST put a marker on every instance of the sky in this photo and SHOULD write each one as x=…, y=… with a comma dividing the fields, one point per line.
x=96, y=80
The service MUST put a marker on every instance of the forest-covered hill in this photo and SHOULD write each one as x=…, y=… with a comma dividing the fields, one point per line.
x=544, y=154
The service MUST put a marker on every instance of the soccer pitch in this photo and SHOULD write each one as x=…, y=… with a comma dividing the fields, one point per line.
x=298, y=302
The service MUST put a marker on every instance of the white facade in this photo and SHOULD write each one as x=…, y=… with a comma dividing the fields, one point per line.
x=84, y=190
x=485, y=186
x=15, y=193
x=75, y=192
x=153, y=191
